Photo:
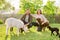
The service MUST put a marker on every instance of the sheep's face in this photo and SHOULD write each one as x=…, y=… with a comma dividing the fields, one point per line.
x=25, y=29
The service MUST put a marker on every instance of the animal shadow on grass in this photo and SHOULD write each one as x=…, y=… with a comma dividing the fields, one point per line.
x=26, y=36
x=6, y=37
x=13, y=36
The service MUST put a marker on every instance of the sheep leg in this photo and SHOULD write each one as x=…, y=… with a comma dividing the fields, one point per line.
x=7, y=30
x=22, y=30
x=11, y=29
x=18, y=31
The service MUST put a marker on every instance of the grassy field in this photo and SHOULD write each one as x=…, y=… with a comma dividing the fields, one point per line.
x=32, y=35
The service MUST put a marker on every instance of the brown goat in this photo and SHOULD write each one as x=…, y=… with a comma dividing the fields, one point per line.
x=44, y=25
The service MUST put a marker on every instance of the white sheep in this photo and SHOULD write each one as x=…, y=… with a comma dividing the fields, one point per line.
x=13, y=22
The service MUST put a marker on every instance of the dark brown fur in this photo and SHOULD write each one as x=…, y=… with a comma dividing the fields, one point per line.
x=44, y=25
x=53, y=30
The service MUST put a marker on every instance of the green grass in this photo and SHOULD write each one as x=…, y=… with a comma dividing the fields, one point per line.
x=32, y=35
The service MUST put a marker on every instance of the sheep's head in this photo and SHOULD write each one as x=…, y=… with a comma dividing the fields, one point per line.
x=25, y=28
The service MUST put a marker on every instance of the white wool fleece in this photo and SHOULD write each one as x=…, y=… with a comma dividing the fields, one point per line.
x=13, y=22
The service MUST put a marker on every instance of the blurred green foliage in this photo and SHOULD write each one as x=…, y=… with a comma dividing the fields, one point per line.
x=33, y=5
x=1, y=22
x=50, y=8
x=5, y=5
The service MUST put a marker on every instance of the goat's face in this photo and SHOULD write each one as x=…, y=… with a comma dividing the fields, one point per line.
x=25, y=28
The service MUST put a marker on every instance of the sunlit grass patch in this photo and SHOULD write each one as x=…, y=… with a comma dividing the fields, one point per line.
x=31, y=35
